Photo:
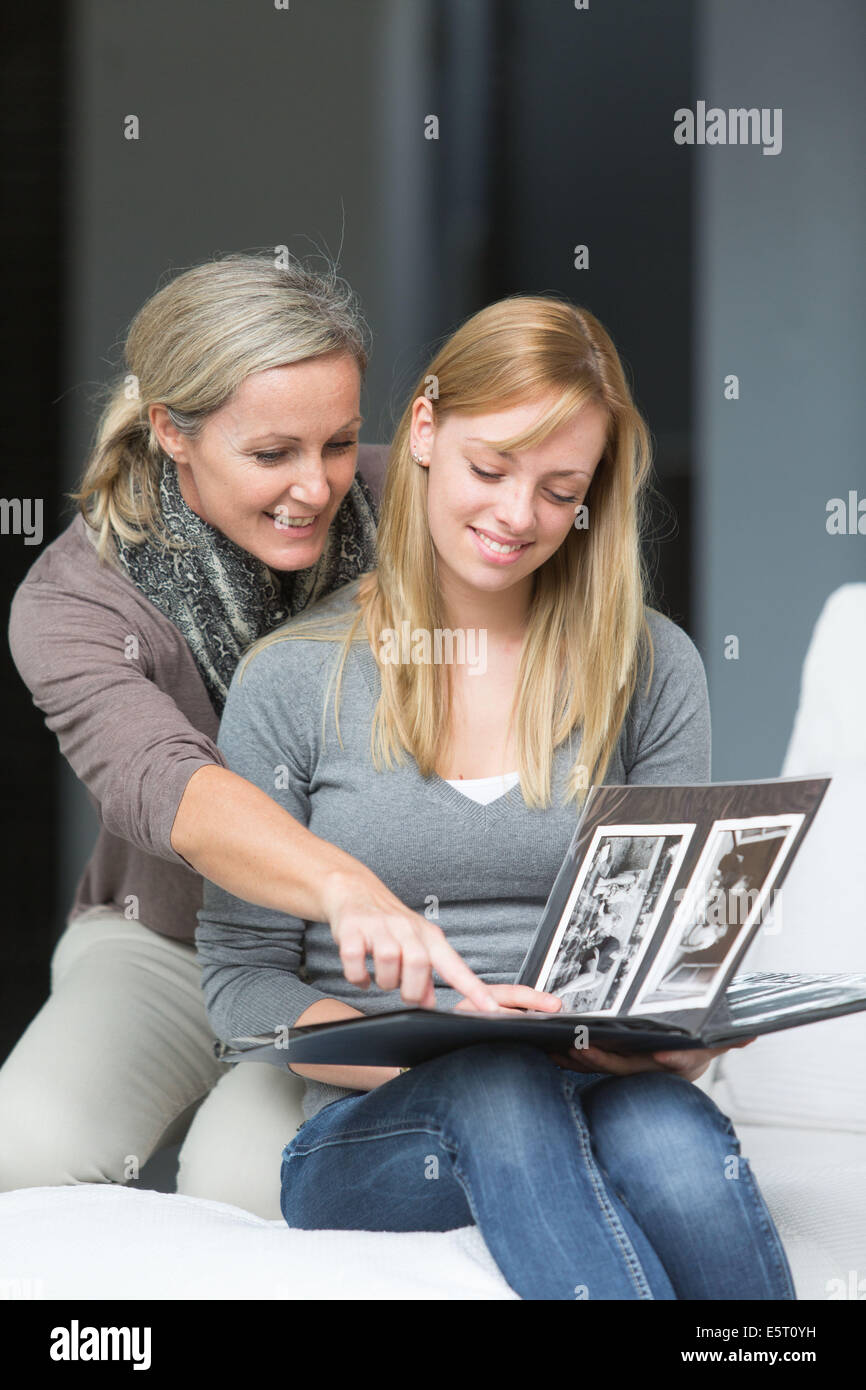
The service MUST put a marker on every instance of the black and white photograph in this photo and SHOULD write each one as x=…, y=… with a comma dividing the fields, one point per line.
x=616, y=903
x=725, y=894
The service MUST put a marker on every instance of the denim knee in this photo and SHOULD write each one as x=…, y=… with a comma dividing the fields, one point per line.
x=662, y=1122
x=662, y=1097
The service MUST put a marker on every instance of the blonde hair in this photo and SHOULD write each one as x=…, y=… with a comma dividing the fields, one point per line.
x=189, y=348
x=587, y=627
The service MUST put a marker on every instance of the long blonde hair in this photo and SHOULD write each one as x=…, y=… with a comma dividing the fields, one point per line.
x=189, y=348
x=587, y=630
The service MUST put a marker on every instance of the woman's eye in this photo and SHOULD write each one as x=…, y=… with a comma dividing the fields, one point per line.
x=481, y=474
x=337, y=447
x=557, y=497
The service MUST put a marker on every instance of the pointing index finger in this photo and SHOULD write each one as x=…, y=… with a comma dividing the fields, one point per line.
x=454, y=970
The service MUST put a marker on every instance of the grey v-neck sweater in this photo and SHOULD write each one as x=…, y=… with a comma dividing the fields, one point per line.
x=484, y=871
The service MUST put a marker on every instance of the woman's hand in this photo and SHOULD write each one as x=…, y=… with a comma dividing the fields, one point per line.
x=367, y=919
x=690, y=1063
x=516, y=999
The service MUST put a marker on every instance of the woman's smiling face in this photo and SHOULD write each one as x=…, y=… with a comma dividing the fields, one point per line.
x=495, y=518
x=270, y=468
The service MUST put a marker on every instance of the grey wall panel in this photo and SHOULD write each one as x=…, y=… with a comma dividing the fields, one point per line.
x=780, y=302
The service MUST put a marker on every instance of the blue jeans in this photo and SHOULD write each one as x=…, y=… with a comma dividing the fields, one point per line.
x=583, y=1186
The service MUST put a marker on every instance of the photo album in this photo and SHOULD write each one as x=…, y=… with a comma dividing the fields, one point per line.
x=661, y=893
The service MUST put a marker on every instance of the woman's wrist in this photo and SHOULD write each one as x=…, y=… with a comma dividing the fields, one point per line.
x=344, y=885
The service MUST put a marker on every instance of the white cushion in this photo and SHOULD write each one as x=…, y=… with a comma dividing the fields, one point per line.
x=103, y=1241
x=814, y=1184
x=815, y=1076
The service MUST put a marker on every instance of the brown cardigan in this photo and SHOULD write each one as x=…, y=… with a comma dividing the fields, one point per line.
x=134, y=732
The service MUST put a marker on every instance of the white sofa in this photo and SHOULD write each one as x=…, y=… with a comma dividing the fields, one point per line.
x=798, y=1100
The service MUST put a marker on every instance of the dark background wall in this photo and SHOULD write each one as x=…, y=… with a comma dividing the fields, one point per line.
x=33, y=268
x=305, y=127
x=780, y=300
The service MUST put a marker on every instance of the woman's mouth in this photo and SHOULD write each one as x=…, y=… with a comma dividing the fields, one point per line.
x=495, y=548
x=295, y=526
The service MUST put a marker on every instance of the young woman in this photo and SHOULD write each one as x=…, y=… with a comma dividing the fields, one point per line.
x=221, y=497
x=589, y=1175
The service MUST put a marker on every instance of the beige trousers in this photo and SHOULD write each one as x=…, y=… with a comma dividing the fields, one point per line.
x=119, y=1062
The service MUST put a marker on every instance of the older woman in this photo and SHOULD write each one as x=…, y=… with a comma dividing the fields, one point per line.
x=220, y=498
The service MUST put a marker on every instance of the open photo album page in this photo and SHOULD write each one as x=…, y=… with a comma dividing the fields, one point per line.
x=638, y=936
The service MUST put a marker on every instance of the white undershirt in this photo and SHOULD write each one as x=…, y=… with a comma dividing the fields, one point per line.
x=485, y=789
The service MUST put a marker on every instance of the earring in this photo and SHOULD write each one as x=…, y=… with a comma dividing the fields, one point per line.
x=416, y=457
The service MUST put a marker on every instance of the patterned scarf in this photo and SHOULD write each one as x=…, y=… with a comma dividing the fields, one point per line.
x=221, y=597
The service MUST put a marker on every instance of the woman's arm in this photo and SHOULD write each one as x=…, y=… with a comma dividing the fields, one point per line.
x=87, y=660
x=163, y=785
x=356, y=1078
x=241, y=840
x=669, y=736
x=234, y=834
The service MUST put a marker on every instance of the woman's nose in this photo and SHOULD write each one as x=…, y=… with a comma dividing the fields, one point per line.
x=515, y=512
x=310, y=484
